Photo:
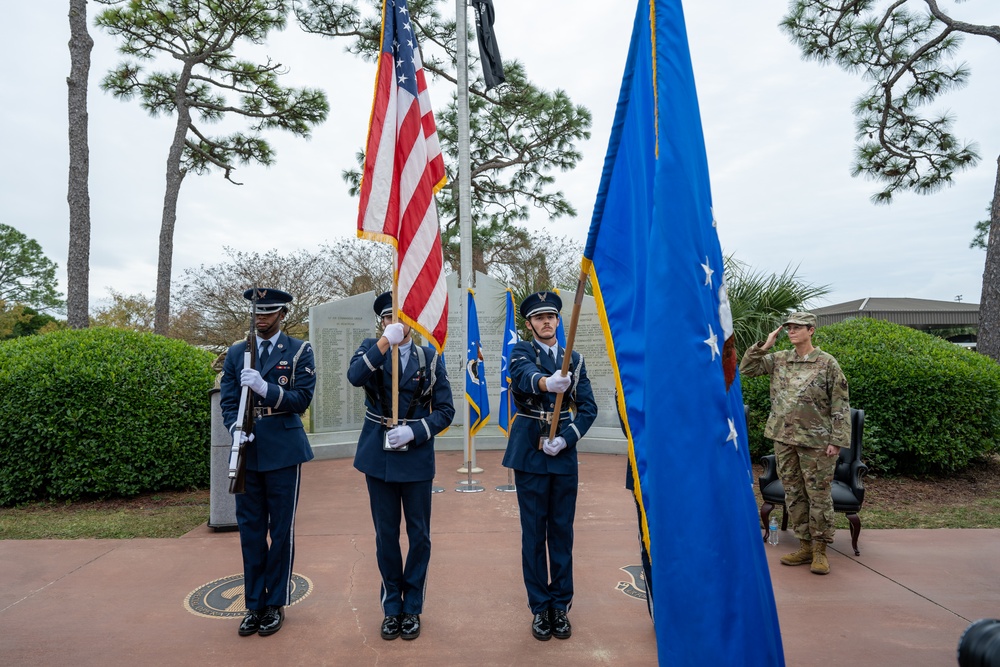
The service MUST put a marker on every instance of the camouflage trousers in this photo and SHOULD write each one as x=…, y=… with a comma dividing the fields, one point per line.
x=807, y=474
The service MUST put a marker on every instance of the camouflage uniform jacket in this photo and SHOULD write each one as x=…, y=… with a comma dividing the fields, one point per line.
x=810, y=405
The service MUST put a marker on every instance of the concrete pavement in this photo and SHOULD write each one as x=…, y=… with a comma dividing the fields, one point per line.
x=905, y=600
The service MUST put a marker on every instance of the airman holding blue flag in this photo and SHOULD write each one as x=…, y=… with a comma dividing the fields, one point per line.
x=547, y=476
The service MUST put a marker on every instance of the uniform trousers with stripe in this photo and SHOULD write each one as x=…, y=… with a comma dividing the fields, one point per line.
x=268, y=508
x=403, y=584
x=547, y=505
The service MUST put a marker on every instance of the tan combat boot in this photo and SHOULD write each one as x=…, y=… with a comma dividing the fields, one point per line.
x=801, y=557
x=820, y=564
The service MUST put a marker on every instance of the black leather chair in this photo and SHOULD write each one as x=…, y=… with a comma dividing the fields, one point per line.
x=848, y=487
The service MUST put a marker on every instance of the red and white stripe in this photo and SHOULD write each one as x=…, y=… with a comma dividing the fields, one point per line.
x=403, y=170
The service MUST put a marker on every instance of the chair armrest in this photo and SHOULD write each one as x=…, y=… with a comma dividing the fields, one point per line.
x=770, y=472
x=858, y=472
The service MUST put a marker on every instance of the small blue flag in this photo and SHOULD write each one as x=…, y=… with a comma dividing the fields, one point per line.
x=510, y=338
x=560, y=330
x=475, y=387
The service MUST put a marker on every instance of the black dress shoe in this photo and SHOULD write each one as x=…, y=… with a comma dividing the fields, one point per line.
x=270, y=621
x=411, y=626
x=541, y=626
x=250, y=624
x=390, y=627
x=561, y=629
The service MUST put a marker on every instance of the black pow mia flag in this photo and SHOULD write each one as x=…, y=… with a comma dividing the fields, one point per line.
x=489, y=54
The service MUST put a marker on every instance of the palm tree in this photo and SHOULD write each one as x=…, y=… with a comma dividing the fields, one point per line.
x=759, y=300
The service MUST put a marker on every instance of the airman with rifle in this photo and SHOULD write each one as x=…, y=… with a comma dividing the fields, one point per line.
x=276, y=386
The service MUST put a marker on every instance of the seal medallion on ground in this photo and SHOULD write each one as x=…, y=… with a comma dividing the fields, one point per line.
x=223, y=598
x=635, y=588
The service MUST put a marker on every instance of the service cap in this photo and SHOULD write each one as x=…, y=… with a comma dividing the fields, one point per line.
x=539, y=303
x=383, y=304
x=269, y=300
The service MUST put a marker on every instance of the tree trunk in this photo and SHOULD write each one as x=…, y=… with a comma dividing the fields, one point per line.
x=175, y=175
x=988, y=339
x=78, y=193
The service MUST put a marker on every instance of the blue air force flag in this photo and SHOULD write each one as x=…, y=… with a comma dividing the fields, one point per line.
x=653, y=241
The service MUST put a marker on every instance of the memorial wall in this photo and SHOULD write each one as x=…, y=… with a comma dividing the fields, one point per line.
x=337, y=328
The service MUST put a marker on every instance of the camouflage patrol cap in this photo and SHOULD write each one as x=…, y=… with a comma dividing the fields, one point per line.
x=803, y=318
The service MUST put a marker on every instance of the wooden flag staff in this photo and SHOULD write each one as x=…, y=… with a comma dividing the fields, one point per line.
x=395, y=354
x=568, y=356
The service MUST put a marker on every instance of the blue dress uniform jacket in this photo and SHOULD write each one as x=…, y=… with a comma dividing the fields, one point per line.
x=529, y=363
x=416, y=463
x=546, y=485
x=280, y=439
x=265, y=513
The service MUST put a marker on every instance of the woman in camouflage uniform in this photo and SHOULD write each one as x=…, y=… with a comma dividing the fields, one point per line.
x=810, y=421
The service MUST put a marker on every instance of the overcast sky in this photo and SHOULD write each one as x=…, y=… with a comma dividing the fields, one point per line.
x=779, y=135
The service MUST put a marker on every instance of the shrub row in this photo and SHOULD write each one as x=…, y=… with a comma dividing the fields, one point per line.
x=102, y=412
x=930, y=406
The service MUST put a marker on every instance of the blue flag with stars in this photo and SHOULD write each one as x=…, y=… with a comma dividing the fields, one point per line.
x=655, y=262
x=475, y=385
x=560, y=329
x=510, y=338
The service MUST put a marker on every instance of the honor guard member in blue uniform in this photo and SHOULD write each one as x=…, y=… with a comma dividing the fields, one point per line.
x=283, y=387
x=547, y=477
x=398, y=462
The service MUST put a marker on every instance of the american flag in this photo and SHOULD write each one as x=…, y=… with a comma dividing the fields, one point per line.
x=404, y=168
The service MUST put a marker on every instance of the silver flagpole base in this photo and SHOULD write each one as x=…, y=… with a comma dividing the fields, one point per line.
x=437, y=489
x=475, y=471
x=509, y=486
x=470, y=484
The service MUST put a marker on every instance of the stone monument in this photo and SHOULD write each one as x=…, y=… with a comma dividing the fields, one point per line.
x=337, y=328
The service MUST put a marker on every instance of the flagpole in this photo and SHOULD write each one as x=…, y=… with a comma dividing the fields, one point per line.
x=395, y=348
x=466, y=277
x=567, y=357
x=509, y=486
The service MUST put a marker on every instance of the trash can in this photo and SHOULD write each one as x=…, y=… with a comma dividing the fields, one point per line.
x=222, y=504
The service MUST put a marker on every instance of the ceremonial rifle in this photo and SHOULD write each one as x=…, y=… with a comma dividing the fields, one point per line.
x=244, y=417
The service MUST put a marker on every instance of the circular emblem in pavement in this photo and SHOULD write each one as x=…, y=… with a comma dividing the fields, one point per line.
x=223, y=598
x=635, y=588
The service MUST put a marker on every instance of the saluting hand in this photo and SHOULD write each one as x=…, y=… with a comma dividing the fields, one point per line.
x=772, y=338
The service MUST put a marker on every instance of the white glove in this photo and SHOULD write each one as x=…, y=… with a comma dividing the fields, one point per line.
x=394, y=333
x=399, y=436
x=244, y=438
x=250, y=377
x=558, y=383
x=554, y=446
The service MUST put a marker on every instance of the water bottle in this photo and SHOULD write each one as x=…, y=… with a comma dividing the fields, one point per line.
x=772, y=537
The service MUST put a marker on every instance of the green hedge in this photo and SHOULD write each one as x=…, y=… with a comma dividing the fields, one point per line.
x=930, y=406
x=102, y=412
